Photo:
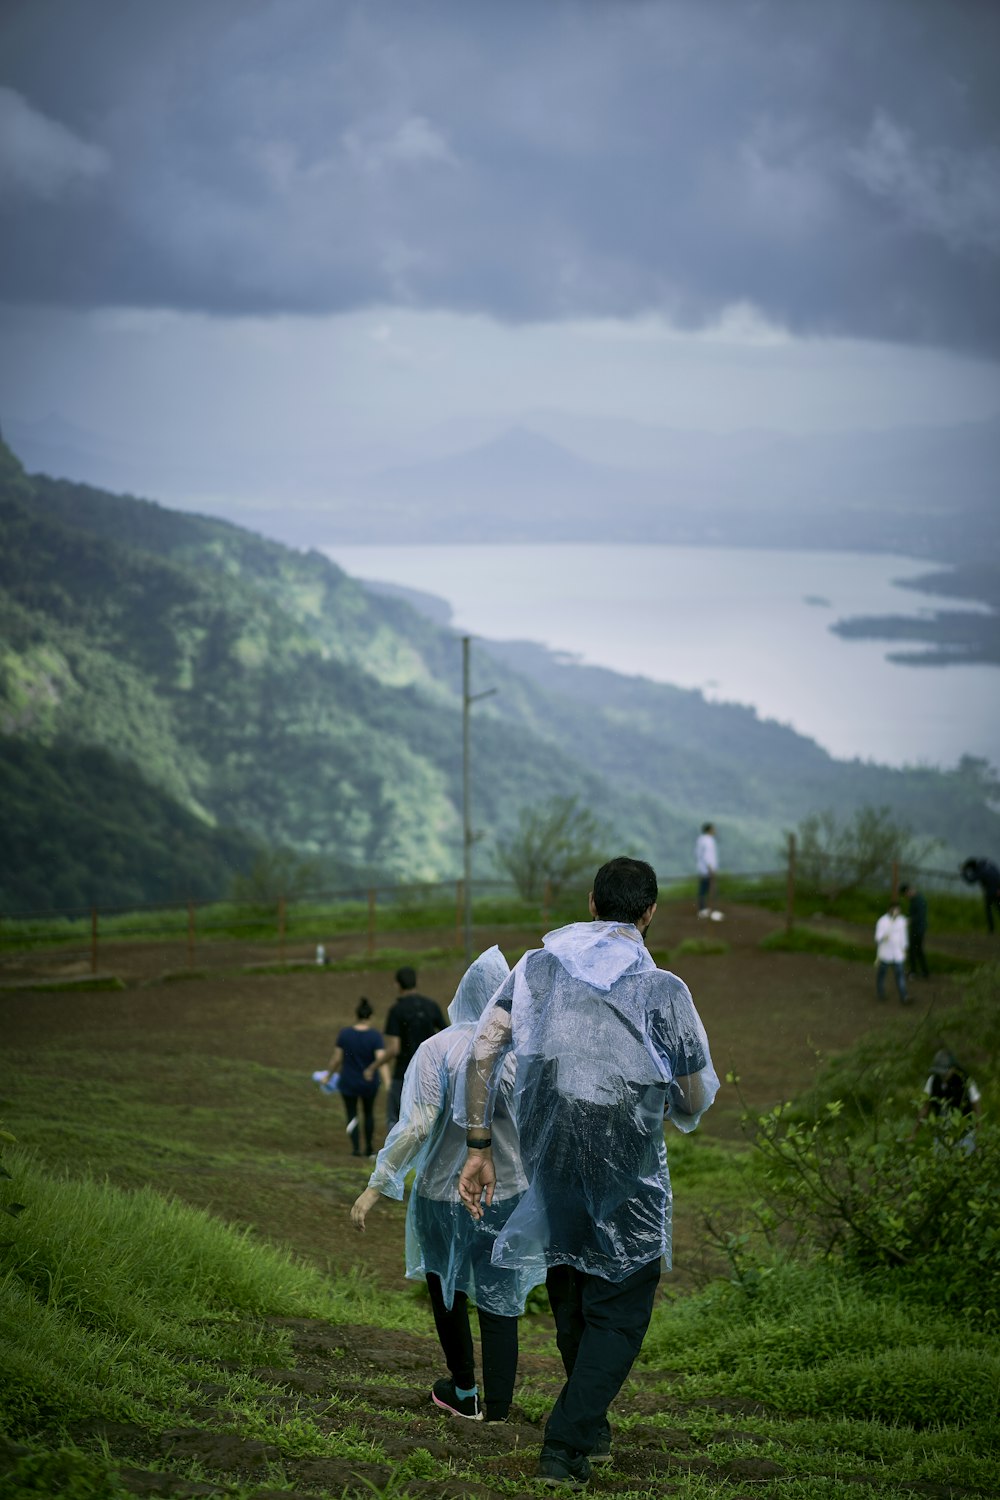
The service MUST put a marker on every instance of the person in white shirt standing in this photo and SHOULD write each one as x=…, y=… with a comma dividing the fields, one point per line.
x=706, y=858
x=891, y=943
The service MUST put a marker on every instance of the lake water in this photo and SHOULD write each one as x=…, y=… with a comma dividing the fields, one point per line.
x=746, y=626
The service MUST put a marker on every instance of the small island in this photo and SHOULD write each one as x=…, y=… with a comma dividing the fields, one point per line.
x=950, y=637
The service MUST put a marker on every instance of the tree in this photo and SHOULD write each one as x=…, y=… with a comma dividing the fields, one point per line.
x=554, y=841
x=276, y=873
x=834, y=857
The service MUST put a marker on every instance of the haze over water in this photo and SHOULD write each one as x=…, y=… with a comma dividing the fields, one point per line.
x=744, y=626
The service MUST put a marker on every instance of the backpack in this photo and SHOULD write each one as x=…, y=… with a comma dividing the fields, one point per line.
x=950, y=1091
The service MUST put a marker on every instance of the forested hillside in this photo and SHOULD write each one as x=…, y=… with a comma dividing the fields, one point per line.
x=177, y=693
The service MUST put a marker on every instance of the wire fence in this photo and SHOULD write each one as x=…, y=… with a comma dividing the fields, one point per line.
x=369, y=921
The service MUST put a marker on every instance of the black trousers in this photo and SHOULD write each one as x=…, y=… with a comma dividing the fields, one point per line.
x=499, y=1340
x=600, y=1326
x=351, y=1103
x=917, y=957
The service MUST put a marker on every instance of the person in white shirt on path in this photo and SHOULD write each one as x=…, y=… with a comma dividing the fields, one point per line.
x=891, y=943
x=706, y=858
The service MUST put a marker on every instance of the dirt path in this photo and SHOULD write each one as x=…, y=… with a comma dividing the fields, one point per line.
x=771, y=1019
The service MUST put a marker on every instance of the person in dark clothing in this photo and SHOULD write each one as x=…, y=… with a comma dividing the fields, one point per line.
x=411, y=1020
x=917, y=921
x=950, y=1092
x=604, y=1044
x=357, y=1053
x=985, y=873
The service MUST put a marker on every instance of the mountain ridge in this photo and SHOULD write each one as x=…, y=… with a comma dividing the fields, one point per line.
x=265, y=695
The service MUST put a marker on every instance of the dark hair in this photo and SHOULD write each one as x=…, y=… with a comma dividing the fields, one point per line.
x=406, y=977
x=707, y=827
x=904, y=889
x=623, y=889
x=363, y=1009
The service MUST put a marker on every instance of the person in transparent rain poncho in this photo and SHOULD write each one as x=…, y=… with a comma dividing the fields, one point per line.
x=606, y=1045
x=443, y=1244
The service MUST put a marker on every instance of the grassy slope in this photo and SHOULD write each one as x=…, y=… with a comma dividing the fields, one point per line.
x=262, y=689
x=144, y=1320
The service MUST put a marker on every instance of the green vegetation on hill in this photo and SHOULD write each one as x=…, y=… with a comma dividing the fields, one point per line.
x=80, y=826
x=256, y=696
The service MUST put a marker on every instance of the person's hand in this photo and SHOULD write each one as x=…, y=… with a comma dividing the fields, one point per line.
x=369, y=1073
x=363, y=1206
x=476, y=1184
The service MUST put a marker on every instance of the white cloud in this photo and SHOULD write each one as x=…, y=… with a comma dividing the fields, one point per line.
x=39, y=156
x=954, y=195
x=412, y=143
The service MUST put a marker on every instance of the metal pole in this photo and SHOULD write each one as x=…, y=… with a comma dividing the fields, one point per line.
x=468, y=837
x=790, y=896
x=466, y=805
x=93, y=940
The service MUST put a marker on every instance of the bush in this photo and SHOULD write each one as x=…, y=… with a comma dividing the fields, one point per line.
x=836, y=857
x=920, y=1205
x=68, y=1473
x=553, y=844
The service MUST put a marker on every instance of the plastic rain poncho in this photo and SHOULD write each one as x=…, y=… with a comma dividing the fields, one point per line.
x=441, y=1236
x=605, y=1043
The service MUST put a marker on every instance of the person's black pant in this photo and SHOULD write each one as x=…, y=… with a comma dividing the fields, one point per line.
x=351, y=1103
x=600, y=1326
x=499, y=1343
x=917, y=957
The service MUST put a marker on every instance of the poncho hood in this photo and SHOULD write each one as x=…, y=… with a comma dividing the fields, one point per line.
x=598, y=953
x=480, y=983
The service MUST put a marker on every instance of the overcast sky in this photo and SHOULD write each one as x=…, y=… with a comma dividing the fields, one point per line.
x=339, y=232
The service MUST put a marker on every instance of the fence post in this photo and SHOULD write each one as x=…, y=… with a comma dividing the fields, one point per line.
x=281, y=929
x=190, y=936
x=93, y=940
x=371, y=923
x=790, y=894
x=459, y=911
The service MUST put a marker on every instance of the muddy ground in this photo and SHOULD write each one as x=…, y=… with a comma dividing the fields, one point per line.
x=771, y=1019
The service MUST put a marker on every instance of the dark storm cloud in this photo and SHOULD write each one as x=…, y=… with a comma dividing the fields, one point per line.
x=838, y=165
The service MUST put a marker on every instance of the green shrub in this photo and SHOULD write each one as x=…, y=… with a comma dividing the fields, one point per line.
x=919, y=1204
x=68, y=1473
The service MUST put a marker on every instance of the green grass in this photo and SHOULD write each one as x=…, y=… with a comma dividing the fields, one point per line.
x=313, y=920
x=120, y=1303
x=955, y=911
x=843, y=945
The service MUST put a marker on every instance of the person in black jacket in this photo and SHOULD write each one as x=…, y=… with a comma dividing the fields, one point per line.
x=985, y=873
x=917, y=919
x=411, y=1020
